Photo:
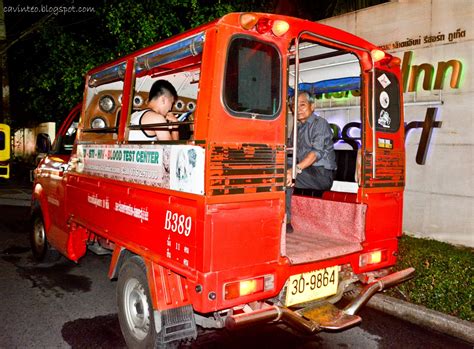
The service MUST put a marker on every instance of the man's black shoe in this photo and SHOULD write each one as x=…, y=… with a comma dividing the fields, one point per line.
x=289, y=228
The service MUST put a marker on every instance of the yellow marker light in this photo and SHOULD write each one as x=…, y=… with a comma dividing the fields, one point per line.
x=244, y=288
x=248, y=287
x=373, y=257
x=280, y=27
x=377, y=55
x=248, y=20
x=376, y=257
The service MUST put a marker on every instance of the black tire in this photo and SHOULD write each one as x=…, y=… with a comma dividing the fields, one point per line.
x=40, y=247
x=135, y=310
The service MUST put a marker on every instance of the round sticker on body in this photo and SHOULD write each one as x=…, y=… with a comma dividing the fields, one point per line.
x=384, y=99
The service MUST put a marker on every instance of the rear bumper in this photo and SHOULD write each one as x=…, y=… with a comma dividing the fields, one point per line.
x=323, y=316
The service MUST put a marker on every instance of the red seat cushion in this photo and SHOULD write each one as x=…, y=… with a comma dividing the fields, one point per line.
x=339, y=196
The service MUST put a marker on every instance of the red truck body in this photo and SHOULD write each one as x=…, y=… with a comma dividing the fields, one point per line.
x=204, y=217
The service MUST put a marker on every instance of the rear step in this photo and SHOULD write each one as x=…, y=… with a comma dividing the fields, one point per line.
x=329, y=317
x=323, y=316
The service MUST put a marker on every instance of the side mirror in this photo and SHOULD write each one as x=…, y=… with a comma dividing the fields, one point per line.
x=43, y=143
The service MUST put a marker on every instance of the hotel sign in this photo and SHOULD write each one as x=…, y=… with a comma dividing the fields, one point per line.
x=426, y=39
x=411, y=73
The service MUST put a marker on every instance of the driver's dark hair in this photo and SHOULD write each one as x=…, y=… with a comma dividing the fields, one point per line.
x=160, y=88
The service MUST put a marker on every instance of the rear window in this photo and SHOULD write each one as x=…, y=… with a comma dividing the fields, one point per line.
x=252, y=86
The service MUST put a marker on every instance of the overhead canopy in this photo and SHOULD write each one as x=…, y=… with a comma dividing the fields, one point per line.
x=115, y=73
x=328, y=86
x=188, y=47
x=185, y=48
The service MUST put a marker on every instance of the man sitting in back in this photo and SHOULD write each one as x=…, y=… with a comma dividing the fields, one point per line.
x=315, y=157
x=160, y=101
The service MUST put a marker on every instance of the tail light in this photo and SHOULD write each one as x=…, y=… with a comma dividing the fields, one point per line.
x=373, y=257
x=264, y=25
x=247, y=287
x=394, y=62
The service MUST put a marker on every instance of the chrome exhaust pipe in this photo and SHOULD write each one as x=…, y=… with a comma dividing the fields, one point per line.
x=377, y=286
x=269, y=314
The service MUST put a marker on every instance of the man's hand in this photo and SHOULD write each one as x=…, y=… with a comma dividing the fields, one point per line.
x=289, y=179
x=173, y=129
x=170, y=117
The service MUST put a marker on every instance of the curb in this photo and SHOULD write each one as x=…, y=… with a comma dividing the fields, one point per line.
x=419, y=315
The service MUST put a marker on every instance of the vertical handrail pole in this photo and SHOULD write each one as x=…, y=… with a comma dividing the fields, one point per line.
x=374, y=127
x=295, y=108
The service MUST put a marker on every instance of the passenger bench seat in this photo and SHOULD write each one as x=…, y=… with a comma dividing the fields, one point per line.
x=346, y=161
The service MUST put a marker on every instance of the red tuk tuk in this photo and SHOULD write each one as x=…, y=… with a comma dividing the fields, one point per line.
x=196, y=226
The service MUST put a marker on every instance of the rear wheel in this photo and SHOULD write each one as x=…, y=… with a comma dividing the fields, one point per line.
x=42, y=251
x=135, y=307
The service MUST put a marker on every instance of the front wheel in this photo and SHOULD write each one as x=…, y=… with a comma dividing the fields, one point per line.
x=40, y=247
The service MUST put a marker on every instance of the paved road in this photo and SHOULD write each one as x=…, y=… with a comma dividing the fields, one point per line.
x=15, y=193
x=67, y=305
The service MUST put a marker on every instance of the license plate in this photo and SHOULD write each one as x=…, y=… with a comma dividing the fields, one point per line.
x=313, y=285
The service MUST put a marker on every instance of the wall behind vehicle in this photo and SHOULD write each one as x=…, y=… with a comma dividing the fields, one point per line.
x=25, y=140
x=439, y=196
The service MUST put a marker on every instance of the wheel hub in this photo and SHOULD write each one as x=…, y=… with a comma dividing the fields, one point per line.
x=136, y=309
x=39, y=235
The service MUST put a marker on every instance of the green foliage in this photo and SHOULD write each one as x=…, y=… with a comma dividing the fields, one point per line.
x=133, y=25
x=47, y=69
x=444, y=278
x=56, y=85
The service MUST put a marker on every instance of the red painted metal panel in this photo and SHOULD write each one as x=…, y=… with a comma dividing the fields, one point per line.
x=245, y=234
x=140, y=218
x=384, y=214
